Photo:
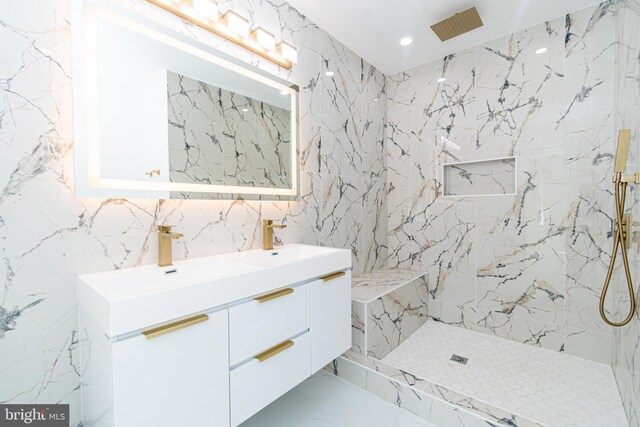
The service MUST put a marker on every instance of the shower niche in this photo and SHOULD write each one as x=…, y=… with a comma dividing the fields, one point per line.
x=491, y=177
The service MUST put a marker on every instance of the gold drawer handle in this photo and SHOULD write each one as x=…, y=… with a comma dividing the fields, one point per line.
x=171, y=327
x=274, y=295
x=274, y=350
x=333, y=276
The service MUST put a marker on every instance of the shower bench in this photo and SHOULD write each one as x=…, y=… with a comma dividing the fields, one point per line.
x=386, y=307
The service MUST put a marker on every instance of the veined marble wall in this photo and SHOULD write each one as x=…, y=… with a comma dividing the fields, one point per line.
x=220, y=137
x=626, y=354
x=48, y=236
x=528, y=267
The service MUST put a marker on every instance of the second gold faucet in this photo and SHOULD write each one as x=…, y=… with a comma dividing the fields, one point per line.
x=267, y=233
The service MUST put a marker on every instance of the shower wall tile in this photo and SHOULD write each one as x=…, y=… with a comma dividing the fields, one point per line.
x=579, y=342
x=519, y=93
x=48, y=236
x=358, y=327
x=444, y=112
x=528, y=267
x=398, y=131
x=626, y=357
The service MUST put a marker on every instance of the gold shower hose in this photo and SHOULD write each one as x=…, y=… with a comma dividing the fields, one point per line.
x=619, y=240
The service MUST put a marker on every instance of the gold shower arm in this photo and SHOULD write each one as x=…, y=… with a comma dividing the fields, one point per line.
x=635, y=178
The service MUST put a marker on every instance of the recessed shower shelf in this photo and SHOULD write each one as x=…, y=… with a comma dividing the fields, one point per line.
x=491, y=177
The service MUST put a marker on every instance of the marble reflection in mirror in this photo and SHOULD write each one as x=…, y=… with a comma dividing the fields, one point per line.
x=221, y=137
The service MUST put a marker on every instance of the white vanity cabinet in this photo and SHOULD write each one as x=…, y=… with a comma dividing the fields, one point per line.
x=180, y=346
x=330, y=318
x=178, y=378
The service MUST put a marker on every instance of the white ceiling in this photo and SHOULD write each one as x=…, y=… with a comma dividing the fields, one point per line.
x=373, y=28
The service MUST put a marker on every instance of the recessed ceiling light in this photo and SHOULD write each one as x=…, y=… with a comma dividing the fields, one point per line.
x=541, y=50
x=442, y=79
x=329, y=73
x=406, y=41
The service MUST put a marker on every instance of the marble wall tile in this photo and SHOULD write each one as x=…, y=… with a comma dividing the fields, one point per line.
x=398, y=131
x=518, y=92
x=626, y=356
x=48, y=236
x=358, y=327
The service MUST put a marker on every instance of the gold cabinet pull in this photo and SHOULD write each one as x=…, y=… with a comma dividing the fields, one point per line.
x=171, y=327
x=274, y=350
x=333, y=276
x=274, y=295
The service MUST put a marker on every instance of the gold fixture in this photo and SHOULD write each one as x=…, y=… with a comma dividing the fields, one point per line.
x=165, y=251
x=267, y=233
x=274, y=350
x=274, y=295
x=153, y=172
x=627, y=223
x=231, y=26
x=622, y=234
x=458, y=24
x=171, y=327
x=333, y=276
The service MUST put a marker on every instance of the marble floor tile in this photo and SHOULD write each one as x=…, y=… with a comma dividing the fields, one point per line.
x=326, y=400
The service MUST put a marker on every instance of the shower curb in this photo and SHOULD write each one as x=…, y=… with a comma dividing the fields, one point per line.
x=432, y=402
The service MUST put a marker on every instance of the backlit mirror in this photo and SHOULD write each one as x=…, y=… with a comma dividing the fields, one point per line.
x=161, y=115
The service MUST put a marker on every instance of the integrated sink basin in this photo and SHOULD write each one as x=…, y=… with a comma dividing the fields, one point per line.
x=284, y=255
x=129, y=300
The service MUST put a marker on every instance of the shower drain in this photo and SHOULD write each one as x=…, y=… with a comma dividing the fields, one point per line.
x=459, y=359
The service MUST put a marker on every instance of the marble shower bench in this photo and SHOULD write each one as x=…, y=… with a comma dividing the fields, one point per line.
x=386, y=307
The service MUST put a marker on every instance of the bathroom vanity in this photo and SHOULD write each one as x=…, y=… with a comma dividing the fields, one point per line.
x=210, y=341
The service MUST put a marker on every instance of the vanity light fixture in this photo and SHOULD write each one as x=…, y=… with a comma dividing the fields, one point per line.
x=233, y=27
x=442, y=79
x=406, y=41
x=541, y=50
x=264, y=39
x=206, y=8
x=237, y=24
x=288, y=52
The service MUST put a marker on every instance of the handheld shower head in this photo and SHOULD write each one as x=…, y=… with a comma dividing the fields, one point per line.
x=623, y=150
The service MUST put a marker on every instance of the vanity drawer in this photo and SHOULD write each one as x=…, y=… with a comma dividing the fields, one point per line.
x=256, y=384
x=266, y=321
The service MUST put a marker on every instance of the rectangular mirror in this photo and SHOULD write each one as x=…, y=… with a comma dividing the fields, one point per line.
x=160, y=115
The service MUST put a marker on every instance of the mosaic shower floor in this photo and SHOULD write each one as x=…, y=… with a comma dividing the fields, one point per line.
x=550, y=388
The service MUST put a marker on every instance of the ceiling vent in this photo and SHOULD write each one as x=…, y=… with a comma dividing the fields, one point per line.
x=458, y=24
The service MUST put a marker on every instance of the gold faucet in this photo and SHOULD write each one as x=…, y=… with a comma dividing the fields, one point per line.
x=267, y=233
x=165, y=252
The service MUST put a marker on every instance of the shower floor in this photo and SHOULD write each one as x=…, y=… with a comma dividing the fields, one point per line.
x=550, y=388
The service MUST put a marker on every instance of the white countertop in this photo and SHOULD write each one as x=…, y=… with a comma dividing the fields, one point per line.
x=128, y=300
